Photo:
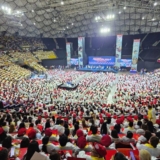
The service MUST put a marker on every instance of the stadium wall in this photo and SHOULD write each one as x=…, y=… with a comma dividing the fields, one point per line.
x=54, y=62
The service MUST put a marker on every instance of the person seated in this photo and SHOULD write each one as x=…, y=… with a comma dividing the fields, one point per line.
x=145, y=138
x=65, y=145
x=98, y=152
x=114, y=136
x=144, y=155
x=128, y=138
x=46, y=145
x=142, y=128
x=151, y=147
x=119, y=156
x=94, y=137
x=32, y=148
x=81, y=141
x=130, y=128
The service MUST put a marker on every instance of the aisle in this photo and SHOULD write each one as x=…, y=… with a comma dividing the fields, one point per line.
x=110, y=100
x=113, y=90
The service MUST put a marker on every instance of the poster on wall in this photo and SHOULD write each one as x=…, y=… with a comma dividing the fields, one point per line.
x=68, y=50
x=103, y=60
x=118, y=50
x=81, y=50
x=135, y=54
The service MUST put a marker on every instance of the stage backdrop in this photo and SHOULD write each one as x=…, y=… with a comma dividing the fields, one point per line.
x=118, y=50
x=81, y=50
x=135, y=54
x=103, y=60
x=68, y=50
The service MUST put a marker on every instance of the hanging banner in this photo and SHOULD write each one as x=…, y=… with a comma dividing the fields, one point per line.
x=68, y=51
x=81, y=50
x=135, y=54
x=118, y=50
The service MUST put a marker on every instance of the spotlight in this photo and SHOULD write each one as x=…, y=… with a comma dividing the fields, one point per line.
x=155, y=3
x=105, y=30
x=124, y=7
x=62, y=3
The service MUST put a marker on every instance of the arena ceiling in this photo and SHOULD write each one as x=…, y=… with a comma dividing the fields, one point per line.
x=73, y=18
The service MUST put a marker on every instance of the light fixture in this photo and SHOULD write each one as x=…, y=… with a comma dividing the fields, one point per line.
x=105, y=30
x=21, y=24
x=153, y=19
x=2, y=7
x=142, y=17
x=32, y=10
x=54, y=20
x=111, y=16
x=124, y=7
x=67, y=27
x=34, y=23
x=72, y=24
x=62, y=3
x=119, y=12
x=155, y=3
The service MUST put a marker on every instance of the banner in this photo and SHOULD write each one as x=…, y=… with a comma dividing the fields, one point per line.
x=68, y=50
x=135, y=54
x=103, y=60
x=125, y=62
x=118, y=50
x=81, y=50
x=74, y=61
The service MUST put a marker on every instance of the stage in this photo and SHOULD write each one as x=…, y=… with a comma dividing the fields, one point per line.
x=68, y=86
x=97, y=70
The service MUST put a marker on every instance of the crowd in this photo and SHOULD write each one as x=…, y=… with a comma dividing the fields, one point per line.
x=11, y=43
x=41, y=55
x=106, y=111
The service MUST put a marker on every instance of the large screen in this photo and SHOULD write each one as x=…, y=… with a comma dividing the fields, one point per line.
x=74, y=61
x=103, y=60
x=126, y=62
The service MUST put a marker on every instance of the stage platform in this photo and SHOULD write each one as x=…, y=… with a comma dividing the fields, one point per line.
x=97, y=70
x=68, y=86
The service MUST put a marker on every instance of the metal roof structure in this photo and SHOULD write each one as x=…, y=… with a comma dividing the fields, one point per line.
x=73, y=18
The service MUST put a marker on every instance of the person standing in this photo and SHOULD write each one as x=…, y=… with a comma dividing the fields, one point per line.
x=151, y=114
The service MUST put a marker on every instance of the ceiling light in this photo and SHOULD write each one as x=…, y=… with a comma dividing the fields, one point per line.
x=155, y=3
x=67, y=26
x=54, y=20
x=21, y=24
x=62, y=3
x=124, y=7
x=72, y=24
x=2, y=7
x=119, y=12
x=142, y=17
x=34, y=23
x=105, y=30
x=32, y=10
x=153, y=19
